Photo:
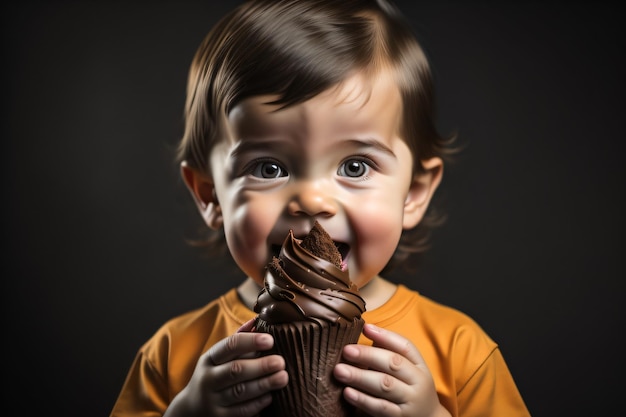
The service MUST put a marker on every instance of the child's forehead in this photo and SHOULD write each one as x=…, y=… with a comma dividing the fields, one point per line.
x=360, y=103
x=356, y=92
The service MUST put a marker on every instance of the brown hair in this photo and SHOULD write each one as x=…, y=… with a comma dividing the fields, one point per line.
x=296, y=49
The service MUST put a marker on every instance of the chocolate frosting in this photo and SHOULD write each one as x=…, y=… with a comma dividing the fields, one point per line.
x=301, y=286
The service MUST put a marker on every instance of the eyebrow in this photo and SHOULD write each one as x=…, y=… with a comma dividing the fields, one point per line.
x=242, y=147
x=245, y=146
x=372, y=143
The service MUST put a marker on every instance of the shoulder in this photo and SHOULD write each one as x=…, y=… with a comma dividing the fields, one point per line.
x=449, y=322
x=435, y=313
x=169, y=357
x=409, y=306
x=439, y=331
x=199, y=329
x=469, y=371
x=455, y=332
x=166, y=361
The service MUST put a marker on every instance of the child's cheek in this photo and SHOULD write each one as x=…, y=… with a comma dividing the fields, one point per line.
x=377, y=239
x=247, y=230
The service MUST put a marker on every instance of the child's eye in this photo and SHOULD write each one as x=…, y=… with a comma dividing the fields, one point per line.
x=353, y=168
x=268, y=169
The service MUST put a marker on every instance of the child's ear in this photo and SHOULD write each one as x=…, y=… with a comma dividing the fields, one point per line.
x=202, y=190
x=421, y=192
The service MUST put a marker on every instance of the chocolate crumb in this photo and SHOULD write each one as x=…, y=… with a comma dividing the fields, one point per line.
x=320, y=244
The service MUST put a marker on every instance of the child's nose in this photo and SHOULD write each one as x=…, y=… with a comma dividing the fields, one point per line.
x=312, y=199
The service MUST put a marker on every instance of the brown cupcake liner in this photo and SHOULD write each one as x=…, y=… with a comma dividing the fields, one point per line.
x=311, y=350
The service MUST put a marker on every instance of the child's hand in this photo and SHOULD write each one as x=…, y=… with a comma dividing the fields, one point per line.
x=229, y=380
x=388, y=379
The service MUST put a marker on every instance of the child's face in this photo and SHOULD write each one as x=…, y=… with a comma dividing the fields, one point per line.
x=336, y=158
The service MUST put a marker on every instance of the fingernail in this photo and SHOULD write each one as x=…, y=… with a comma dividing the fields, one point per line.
x=351, y=351
x=275, y=363
x=350, y=394
x=341, y=372
x=373, y=328
x=264, y=341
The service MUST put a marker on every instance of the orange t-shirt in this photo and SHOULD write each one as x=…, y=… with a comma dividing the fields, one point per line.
x=470, y=374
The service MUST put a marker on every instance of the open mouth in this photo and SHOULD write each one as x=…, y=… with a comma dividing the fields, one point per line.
x=275, y=249
x=342, y=247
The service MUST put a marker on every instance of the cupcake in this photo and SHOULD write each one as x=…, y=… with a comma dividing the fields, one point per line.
x=312, y=309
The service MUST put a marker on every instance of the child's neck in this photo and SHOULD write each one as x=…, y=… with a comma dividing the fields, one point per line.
x=375, y=293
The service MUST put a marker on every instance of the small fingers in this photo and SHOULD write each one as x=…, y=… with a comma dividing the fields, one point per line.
x=394, y=342
x=377, y=384
x=237, y=345
x=236, y=375
x=384, y=361
x=247, y=408
x=372, y=406
x=389, y=378
x=251, y=378
x=242, y=370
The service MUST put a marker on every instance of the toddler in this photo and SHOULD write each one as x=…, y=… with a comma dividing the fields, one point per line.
x=316, y=110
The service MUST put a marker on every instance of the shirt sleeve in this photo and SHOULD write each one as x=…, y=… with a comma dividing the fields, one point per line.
x=144, y=393
x=491, y=391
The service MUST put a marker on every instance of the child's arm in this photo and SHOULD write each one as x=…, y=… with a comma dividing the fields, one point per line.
x=388, y=379
x=230, y=380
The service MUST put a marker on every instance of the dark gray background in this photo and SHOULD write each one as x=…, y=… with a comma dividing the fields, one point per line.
x=96, y=218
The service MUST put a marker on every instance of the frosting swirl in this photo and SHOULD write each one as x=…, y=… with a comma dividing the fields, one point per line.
x=302, y=286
